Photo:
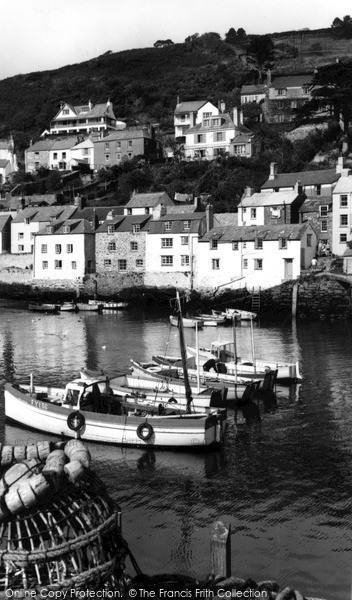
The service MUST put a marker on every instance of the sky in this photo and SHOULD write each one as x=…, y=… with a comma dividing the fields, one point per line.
x=39, y=35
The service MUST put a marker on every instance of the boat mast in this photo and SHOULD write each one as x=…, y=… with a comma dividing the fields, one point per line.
x=234, y=344
x=183, y=354
x=253, y=351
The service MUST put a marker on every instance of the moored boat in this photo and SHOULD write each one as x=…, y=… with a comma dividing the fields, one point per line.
x=110, y=304
x=187, y=322
x=88, y=306
x=45, y=307
x=81, y=409
x=67, y=307
x=239, y=315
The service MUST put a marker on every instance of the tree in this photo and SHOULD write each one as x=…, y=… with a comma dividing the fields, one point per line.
x=342, y=28
x=241, y=33
x=260, y=53
x=331, y=96
x=231, y=36
x=163, y=43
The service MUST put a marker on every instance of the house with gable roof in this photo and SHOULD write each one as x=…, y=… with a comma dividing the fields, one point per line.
x=126, y=144
x=284, y=94
x=30, y=220
x=64, y=250
x=253, y=93
x=189, y=114
x=5, y=233
x=84, y=119
x=271, y=208
x=254, y=256
x=38, y=155
x=121, y=245
x=143, y=204
x=218, y=135
x=314, y=183
x=342, y=214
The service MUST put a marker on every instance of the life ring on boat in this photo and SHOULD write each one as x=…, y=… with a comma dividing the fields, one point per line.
x=172, y=400
x=76, y=421
x=145, y=431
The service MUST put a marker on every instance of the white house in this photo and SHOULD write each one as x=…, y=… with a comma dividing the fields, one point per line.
x=271, y=208
x=83, y=153
x=143, y=204
x=8, y=160
x=314, y=183
x=85, y=118
x=30, y=220
x=342, y=213
x=216, y=136
x=189, y=114
x=253, y=257
x=61, y=153
x=253, y=93
x=65, y=250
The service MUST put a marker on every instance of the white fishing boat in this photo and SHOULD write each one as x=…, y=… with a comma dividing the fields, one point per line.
x=187, y=322
x=80, y=409
x=89, y=306
x=67, y=307
x=217, y=319
x=224, y=352
x=239, y=315
x=110, y=304
x=45, y=307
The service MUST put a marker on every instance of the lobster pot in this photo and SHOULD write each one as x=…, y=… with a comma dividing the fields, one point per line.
x=69, y=540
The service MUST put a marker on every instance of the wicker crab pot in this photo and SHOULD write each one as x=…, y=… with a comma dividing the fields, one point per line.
x=59, y=529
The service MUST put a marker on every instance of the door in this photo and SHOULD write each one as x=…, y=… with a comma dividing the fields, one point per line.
x=288, y=268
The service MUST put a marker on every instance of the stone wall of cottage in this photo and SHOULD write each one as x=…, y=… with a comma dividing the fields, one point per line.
x=124, y=242
x=177, y=279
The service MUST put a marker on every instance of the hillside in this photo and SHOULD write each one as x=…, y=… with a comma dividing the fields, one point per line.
x=143, y=84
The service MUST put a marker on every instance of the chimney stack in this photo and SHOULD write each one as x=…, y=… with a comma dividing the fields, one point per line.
x=340, y=164
x=273, y=170
x=248, y=191
x=268, y=78
x=298, y=187
x=235, y=116
x=209, y=216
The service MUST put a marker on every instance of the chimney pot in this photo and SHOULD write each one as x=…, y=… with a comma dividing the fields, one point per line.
x=273, y=170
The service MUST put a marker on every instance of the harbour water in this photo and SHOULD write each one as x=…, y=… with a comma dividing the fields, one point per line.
x=285, y=487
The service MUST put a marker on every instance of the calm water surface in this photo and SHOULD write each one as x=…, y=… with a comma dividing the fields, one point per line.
x=286, y=489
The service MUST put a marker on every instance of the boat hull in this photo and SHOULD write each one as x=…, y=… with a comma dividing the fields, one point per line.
x=33, y=411
x=46, y=308
x=85, y=306
x=187, y=322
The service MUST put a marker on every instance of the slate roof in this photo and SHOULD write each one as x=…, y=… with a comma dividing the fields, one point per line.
x=253, y=89
x=269, y=199
x=312, y=204
x=227, y=124
x=90, y=211
x=41, y=145
x=4, y=220
x=158, y=226
x=326, y=176
x=185, y=107
x=242, y=138
x=97, y=110
x=64, y=143
x=223, y=219
x=250, y=233
x=125, y=134
x=4, y=163
x=44, y=213
x=125, y=223
x=77, y=226
x=185, y=209
x=291, y=81
x=148, y=200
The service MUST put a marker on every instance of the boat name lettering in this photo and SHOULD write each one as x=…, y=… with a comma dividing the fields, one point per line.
x=39, y=404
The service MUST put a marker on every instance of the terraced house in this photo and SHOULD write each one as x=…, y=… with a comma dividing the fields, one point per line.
x=30, y=220
x=126, y=144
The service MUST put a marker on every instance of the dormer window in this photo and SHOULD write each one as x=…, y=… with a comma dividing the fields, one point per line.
x=186, y=224
x=282, y=243
x=213, y=244
x=258, y=243
x=67, y=229
x=206, y=122
x=136, y=228
x=167, y=225
x=50, y=229
x=111, y=228
x=27, y=220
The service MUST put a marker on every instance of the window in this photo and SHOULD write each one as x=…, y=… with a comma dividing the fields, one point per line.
x=67, y=229
x=129, y=211
x=44, y=264
x=147, y=211
x=305, y=89
x=244, y=212
x=234, y=245
x=118, y=156
x=200, y=138
x=55, y=155
x=293, y=103
x=167, y=225
x=122, y=264
x=130, y=143
x=57, y=248
x=69, y=248
x=27, y=220
x=107, y=262
x=20, y=248
x=244, y=245
x=282, y=243
x=253, y=213
x=343, y=220
x=167, y=261
x=215, y=264
x=258, y=244
x=239, y=149
x=107, y=146
x=216, y=122
x=184, y=240
x=65, y=111
x=309, y=240
x=281, y=92
x=280, y=104
x=343, y=238
x=324, y=226
x=111, y=246
x=136, y=228
x=167, y=242
x=63, y=155
x=139, y=262
x=324, y=210
x=20, y=236
x=318, y=189
x=58, y=264
x=111, y=228
x=213, y=244
x=186, y=225
x=245, y=263
x=343, y=201
x=118, y=144
x=258, y=264
x=107, y=157
x=44, y=248
x=206, y=115
x=219, y=136
x=206, y=122
x=184, y=260
x=134, y=246
x=73, y=264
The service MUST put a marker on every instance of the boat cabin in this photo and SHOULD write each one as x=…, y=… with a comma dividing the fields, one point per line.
x=223, y=351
